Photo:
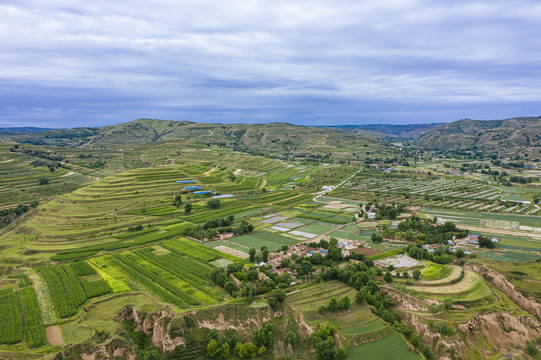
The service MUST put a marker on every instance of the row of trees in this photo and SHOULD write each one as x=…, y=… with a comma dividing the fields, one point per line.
x=263, y=341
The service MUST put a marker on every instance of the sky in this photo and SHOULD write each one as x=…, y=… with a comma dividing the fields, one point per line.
x=101, y=62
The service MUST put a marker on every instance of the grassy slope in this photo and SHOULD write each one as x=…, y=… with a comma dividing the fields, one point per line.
x=272, y=139
x=509, y=136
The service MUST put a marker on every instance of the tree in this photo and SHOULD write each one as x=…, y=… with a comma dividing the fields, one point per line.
x=265, y=335
x=332, y=243
x=345, y=303
x=360, y=297
x=447, y=304
x=213, y=203
x=150, y=355
x=416, y=274
x=486, y=242
x=230, y=287
x=414, y=340
x=224, y=351
x=252, y=254
x=188, y=319
x=262, y=349
x=427, y=353
x=388, y=277
x=291, y=338
x=188, y=208
x=376, y=238
x=245, y=351
x=340, y=354
x=460, y=253
x=530, y=348
x=177, y=200
x=212, y=348
x=406, y=274
x=43, y=181
x=333, y=305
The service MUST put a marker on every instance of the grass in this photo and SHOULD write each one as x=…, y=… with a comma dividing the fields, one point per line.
x=373, y=325
x=340, y=234
x=257, y=239
x=319, y=227
x=469, y=283
x=508, y=256
x=386, y=254
x=436, y=271
x=526, y=276
x=390, y=347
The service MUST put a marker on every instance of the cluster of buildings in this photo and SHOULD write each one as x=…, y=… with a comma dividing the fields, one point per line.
x=472, y=240
x=301, y=250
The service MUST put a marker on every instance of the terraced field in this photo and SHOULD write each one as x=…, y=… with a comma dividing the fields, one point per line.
x=357, y=325
x=389, y=347
x=20, y=180
x=100, y=214
x=458, y=194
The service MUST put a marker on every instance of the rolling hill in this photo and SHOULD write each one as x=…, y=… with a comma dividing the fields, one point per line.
x=391, y=132
x=517, y=136
x=274, y=139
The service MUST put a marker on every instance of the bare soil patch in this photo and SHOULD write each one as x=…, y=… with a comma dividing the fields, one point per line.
x=54, y=335
x=366, y=251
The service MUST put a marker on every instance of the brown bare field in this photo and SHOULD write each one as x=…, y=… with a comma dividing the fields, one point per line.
x=54, y=335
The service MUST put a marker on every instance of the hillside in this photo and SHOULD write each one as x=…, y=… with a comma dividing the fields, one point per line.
x=275, y=139
x=512, y=136
x=392, y=132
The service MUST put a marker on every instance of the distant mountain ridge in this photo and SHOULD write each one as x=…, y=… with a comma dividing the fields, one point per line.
x=521, y=135
x=267, y=139
x=30, y=129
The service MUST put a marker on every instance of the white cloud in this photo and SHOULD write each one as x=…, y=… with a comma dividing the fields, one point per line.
x=236, y=54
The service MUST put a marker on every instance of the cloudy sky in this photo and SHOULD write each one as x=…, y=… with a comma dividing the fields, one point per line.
x=74, y=63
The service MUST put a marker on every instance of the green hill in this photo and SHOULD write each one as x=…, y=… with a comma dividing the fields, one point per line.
x=274, y=139
x=508, y=137
x=391, y=132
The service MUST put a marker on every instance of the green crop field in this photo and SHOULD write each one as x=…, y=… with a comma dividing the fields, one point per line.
x=257, y=239
x=33, y=322
x=319, y=227
x=390, y=347
x=508, y=256
x=436, y=271
x=103, y=250
x=11, y=328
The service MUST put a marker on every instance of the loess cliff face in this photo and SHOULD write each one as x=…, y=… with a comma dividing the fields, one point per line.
x=111, y=350
x=501, y=283
x=168, y=331
x=484, y=334
x=501, y=330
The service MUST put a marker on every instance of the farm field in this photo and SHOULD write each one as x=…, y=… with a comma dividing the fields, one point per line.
x=503, y=221
x=389, y=347
x=441, y=193
x=128, y=236
x=261, y=238
x=508, y=256
x=100, y=214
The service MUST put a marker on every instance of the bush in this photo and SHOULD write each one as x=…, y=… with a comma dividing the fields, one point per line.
x=213, y=203
x=530, y=348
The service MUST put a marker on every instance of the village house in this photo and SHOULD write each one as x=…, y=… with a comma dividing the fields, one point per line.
x=226, y=236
